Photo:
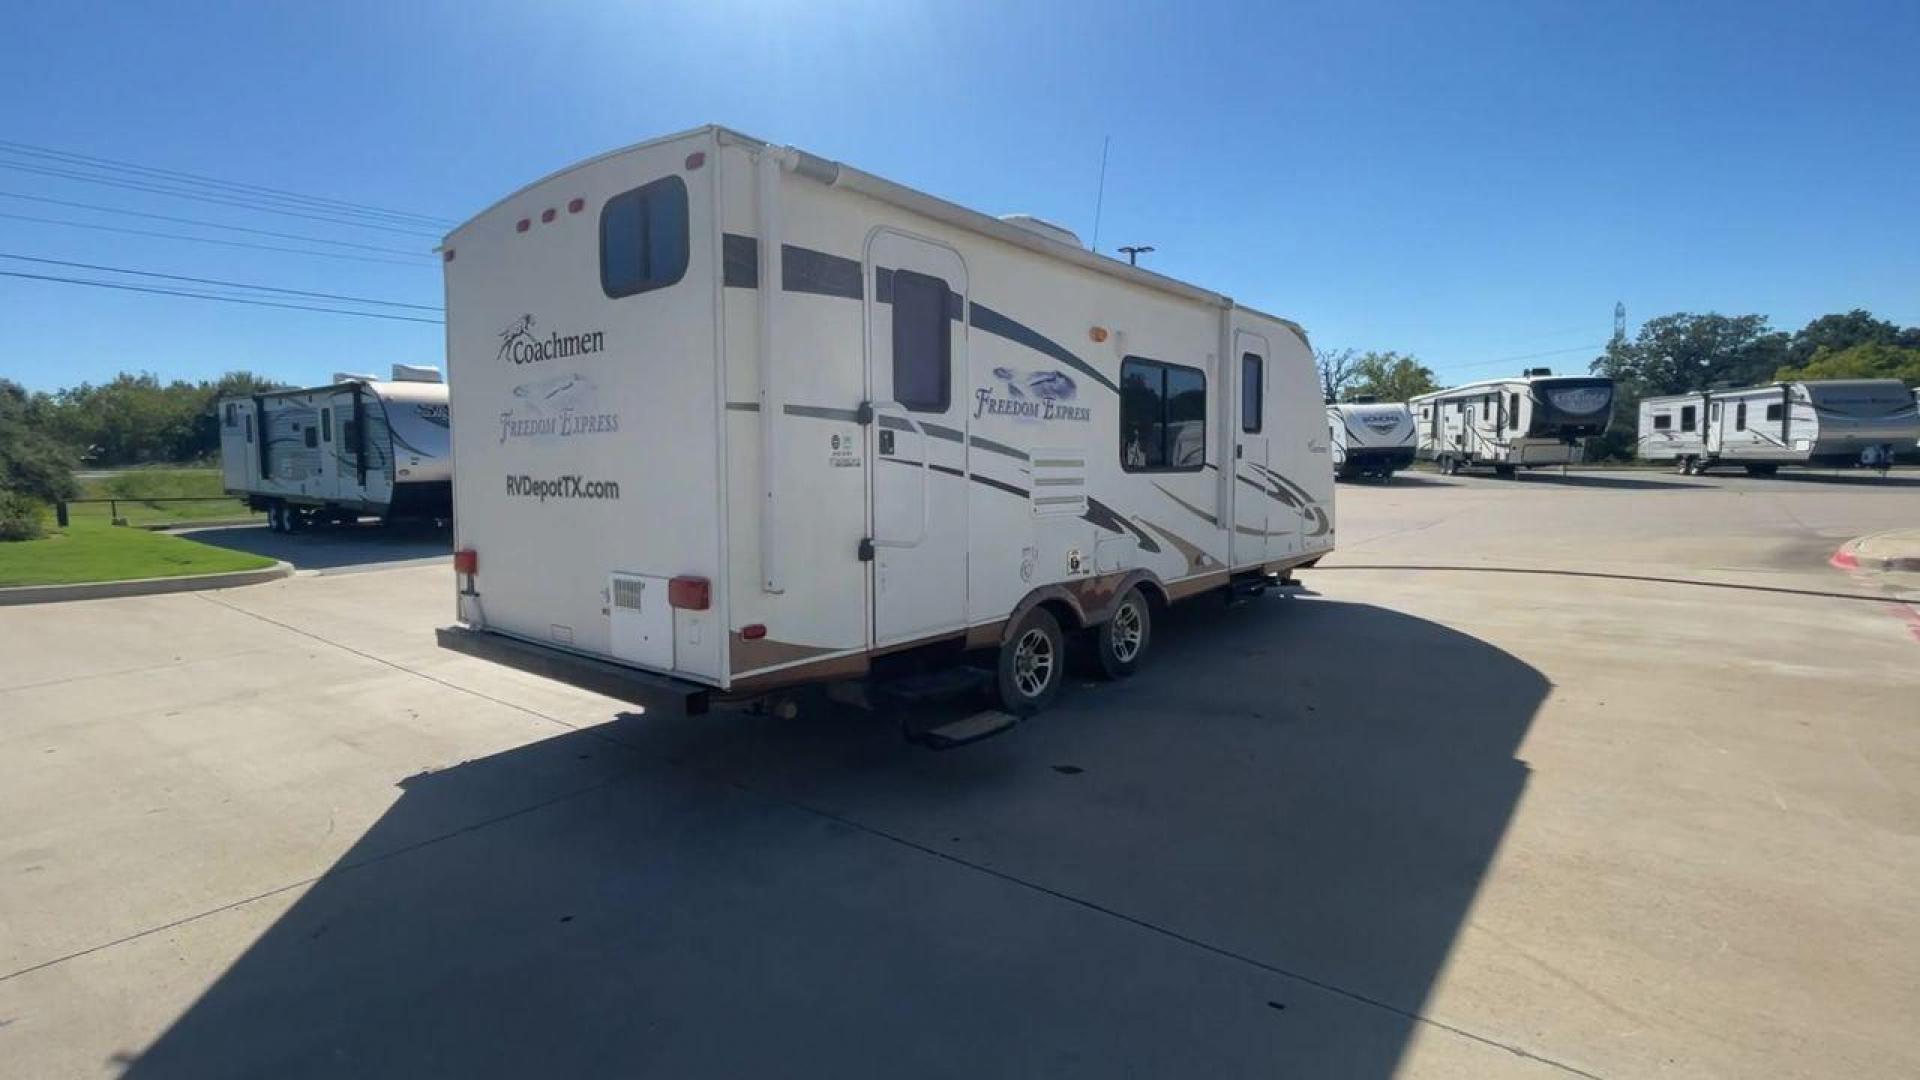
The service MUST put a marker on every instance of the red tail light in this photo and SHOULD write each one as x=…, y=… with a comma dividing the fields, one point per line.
x=466, y=561
x=689, y=593
x=753, y=631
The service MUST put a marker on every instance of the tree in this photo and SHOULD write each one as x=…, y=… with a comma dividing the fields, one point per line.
x=1336, y=372
x=1841, y=332
x=1871, y=360
x=32, y=462
x=1677, y=353
x=1391, y=376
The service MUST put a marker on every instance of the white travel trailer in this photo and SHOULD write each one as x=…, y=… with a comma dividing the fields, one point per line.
x=1370, y=439
x=359, y=446
x=765, y=419
x=1838, y=423
x=1522, y=423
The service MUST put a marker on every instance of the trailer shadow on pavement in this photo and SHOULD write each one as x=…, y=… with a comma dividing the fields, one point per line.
x=1251, y=859
x=336, y=548
x=1614, y=482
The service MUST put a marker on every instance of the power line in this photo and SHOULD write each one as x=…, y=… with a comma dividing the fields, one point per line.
x=132, y=185
x=207, y=240
x=1527, y=356
x=30, y=150
x=213, y=224
x=215, y=281
x=214, y=296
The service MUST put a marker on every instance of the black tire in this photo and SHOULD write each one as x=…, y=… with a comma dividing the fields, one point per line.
x=275, y=521
x=296, y=518
x=1504, y=472
x=1031, y=665
x=1448, y=467
x=1121, y=643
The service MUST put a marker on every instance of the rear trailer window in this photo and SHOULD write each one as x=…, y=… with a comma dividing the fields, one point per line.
x=643, y=238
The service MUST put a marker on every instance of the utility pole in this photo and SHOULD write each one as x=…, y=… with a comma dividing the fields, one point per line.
x=1133, y=253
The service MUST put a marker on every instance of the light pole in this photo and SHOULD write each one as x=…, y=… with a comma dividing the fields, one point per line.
x=1134, y=253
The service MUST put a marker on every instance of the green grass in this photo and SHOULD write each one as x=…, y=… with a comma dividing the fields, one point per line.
x=92, y=550
x=134, y=486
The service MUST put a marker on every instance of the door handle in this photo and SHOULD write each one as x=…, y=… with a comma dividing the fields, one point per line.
x=926, y=468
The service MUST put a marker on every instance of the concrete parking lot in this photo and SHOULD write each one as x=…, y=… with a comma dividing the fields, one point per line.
x=1608, y=775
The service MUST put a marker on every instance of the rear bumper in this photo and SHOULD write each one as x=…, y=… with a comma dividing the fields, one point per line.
x=644, y=688
x=1398, y=457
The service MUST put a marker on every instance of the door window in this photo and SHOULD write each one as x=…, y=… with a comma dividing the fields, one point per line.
x=1513, y=411
x=922, y=343
x=1740, y=417
x=1250, y=392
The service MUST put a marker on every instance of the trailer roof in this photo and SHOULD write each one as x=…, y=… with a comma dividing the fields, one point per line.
x=834, y=173
x=1481, y=385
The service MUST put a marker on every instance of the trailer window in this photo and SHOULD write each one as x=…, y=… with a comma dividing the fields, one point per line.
x=1163, y=417
x=312, y=436
x=1740, y=417
x=1251, y=370
x=1687, y=418
x=643, y=238
x=922, y=343
x=326, y=425
x=1662, y=421
x=1773, y=411
x=1513, y=410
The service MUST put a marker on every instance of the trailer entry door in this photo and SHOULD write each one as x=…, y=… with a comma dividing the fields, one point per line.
x=1254, y=511
x=917, y=444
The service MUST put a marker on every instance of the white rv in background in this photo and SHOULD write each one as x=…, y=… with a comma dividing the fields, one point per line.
x=360, y=446
x=1838, y=423
x=1370, y=438
x=765, y=419
x=1536, y=419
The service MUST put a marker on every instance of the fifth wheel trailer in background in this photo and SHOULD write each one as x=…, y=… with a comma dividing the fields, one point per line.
x=360, y=446
x=828, y=428
x=1536, y=419
x=1373, y=439
x=1836, y=423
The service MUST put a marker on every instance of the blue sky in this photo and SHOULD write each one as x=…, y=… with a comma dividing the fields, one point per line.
x=1472, y=183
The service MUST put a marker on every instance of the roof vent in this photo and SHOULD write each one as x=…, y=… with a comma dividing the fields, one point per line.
x=416, y=373
x=1535, y=372
x=1043, y=227
x=351, y=376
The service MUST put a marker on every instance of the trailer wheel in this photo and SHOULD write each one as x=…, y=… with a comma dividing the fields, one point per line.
x=1032, y=664
x=1120, y=644
x=275, y=523
x=1762, y=470
x=1684, y=466
x=1504, y=472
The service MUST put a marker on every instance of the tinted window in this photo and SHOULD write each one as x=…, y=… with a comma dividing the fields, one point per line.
x=312, y=437
x=1773, y=411
x=1662, y=421
x=350, y=435
x=1513, y=410
x=1163, y=416
x=643, y=238
x=1740, y=417
x=1250, y=392
x=1687, y=416
x=922, y=342
x=326, y=424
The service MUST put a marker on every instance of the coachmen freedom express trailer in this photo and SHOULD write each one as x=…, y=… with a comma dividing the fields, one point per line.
x=359, y=446
x=1838, y=423
x=1534, y=420
x=1370, y=439
x=765, y=419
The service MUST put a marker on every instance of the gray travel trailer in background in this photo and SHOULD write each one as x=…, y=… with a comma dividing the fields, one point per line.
x=1536, y=419
x=1370, y=439
x=359, y=446
x=1836, y=423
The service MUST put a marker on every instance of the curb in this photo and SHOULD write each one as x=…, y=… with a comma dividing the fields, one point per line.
x=1848, y=557
x=107, y=590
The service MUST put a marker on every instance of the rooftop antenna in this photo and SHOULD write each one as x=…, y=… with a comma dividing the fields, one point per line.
x=1619, y=322
x=1134, y=252
x=1100, y=196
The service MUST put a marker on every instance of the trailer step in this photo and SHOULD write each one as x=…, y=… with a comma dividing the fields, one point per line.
x=968, y=729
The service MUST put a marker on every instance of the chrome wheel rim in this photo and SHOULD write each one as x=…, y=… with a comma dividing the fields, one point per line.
x=1033, y=663
x=1129, y=630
